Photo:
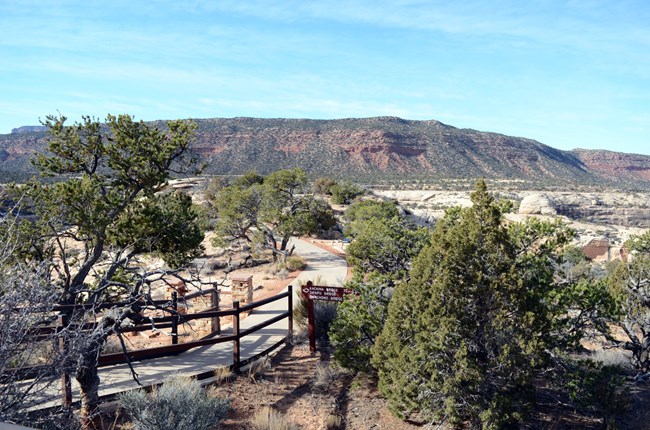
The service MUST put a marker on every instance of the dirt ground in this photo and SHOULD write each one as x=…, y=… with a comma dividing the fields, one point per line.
x=314, y=394
x=311, y=393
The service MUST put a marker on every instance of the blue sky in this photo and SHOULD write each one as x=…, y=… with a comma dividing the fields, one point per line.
x=571, y=74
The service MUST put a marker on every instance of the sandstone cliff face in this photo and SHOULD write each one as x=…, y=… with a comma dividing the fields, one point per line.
x=375, y=148
x=384, y=146
x=616, y=165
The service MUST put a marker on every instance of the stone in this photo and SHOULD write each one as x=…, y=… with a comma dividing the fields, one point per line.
x=537, y=204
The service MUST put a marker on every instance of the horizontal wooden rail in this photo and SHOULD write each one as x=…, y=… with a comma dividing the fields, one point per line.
x=161, y=351
x=160, y=302
x=266, y=323
x=100, y=306
x=263, y=302
x=207, y=314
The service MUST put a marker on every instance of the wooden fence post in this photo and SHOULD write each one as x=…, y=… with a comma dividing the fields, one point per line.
x=235, y=329
x=216, y=323
x=312, y=323
x=290, y=306
x=66, y=383
x=175, y=318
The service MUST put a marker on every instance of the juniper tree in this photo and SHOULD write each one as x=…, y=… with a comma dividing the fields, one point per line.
x=360, y=212
x=267, y=211
x=359, y=320
x=386, y=245
x=464, y=336
x=381, y=255
x=103, y=210
x=629, y=285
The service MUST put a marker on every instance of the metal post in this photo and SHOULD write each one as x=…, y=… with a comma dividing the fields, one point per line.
x=235, y=329
x=175, y=318
x=216, y=323
x=290, y=306
x=66, y=383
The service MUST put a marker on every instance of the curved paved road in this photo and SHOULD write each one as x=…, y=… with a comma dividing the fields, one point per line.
x=322, y=265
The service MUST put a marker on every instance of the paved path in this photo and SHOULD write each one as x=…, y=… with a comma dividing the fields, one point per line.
x=322, y=265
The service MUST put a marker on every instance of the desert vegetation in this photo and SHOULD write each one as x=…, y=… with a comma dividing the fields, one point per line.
x=482, y=295
x=475, y=320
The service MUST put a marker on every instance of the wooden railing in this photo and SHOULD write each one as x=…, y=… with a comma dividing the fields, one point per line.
x=172, y=322
x=176, y=348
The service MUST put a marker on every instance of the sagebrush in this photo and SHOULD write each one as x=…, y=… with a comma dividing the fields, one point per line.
x=179, y=404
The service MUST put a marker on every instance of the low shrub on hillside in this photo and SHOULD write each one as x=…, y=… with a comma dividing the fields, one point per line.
x=179, y=404
x=295, y=263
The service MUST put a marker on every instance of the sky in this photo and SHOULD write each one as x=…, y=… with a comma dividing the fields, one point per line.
x=570, y=74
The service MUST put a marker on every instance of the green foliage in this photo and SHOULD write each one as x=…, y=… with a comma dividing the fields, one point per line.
x=386, y=245
x=260, y=210
x=89, y=226
x=365, y=210
x=247, y=180
x=236, y=212
x=574, y=255
x=629, y=284
x=581, y=307
x=167, y=224
x=465, y=335
x=360, y=319
x=179, y=404
x=295, y=263
x=575, y=265
x=596, y=388
x=381, y=253
x=107, y=198
x=345, y=193
x=320, y=212
x=323, y=185
x=639, y=243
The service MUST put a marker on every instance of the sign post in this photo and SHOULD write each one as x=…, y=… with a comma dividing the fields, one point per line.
x=315, y=292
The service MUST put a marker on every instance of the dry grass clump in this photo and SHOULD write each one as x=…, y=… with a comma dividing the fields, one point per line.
x=325, y=376
x=333, y=422
x=257, y=368
x=223, y=374
x=270, y=419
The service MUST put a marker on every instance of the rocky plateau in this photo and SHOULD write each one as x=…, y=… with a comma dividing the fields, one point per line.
x=375, y=149
x=603, y=220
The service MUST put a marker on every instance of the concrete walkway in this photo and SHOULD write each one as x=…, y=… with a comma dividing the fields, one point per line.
x=321, y=265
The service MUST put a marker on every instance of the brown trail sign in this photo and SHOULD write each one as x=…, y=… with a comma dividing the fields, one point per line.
x=316, y=292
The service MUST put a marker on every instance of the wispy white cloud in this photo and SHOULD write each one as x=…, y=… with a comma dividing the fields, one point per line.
x=504, y=65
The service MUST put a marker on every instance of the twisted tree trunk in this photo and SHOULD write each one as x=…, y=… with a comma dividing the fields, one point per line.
x=88, y=380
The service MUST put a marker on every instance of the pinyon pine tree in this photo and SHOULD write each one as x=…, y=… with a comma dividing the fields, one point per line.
x=464, y=336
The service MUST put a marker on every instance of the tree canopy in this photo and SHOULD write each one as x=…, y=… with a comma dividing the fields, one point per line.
x=267, y=211
x=364, y=210
x=105, y=208
x=465, y=334
x=386, y=245
x=383, y=247
x=629, y=286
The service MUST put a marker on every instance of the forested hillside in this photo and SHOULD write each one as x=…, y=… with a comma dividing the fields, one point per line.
x=375, y=148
